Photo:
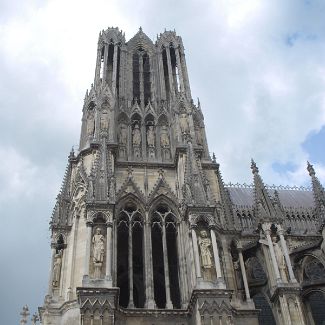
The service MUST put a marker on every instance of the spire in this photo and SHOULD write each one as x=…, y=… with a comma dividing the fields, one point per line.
x=225, y=205
x=318, y=189
x=264, y=206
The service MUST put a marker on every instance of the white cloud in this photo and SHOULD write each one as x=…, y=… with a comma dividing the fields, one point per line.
x=258, y=67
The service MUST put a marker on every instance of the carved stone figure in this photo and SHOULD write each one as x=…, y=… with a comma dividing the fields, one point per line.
x=79, y=201
x=57, y=269
x=98, y=247
x=151, y=136
x=198, y=134
x=90, y=124
x=205, y=248
x=136, y=140
x=183, y=122
x=104, y=121
x=280, y=260
x=164, y=138
x=123, y=136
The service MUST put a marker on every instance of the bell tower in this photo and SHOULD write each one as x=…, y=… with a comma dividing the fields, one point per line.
x=138, y=229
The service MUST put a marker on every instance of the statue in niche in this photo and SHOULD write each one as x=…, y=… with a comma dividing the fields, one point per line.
x=280, y=259
x=164, y=138
x=136, y=140
x=90, y=123
x=205, y=248
x=98, y=247
x=199, y=138
x=183, y=122
x=57, y=269
x=151, y=136
x=79, y=198
x=104, y=121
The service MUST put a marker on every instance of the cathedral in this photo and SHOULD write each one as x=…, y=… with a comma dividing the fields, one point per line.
x=145, y=231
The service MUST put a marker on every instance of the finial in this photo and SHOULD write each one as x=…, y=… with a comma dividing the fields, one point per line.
x=254, y=167
x=310, y=169
x=214, y=160
x=24, y=315
x=71, y=155
x=35, y=318
x=140, y=29
x=161, y=173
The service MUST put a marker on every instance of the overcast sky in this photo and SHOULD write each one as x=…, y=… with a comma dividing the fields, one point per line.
x=258, y=68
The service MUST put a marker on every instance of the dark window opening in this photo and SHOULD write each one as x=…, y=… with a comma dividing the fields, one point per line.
x=316, y=302
x=110, y=59
x=146, y=79
x=118, y=71
x=166, y=76
x=158, y=265
x=137, y=260
x=171, y=239
x=136, y=78
x=265, y=316
x=122, y=261
x=174, y=68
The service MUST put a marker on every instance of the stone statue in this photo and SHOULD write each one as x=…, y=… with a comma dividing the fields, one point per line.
x=136, y=135
x=183, y=122
x=323, y=243
x=199, y=139
x=151, y=136
x=57, y=269
x=164, y=138
x=280, y=260
x=98, y=247
x=79, y=201
x=123, y=134
x=205, y=244
x=104, y=121
x=90, y=124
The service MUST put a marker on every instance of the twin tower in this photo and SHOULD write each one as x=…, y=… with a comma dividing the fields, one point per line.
x=144, y=231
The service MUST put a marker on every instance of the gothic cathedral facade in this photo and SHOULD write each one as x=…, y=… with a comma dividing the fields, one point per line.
x=144, y=230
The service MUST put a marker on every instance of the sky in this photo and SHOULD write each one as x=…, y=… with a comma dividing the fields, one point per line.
x=258, y=67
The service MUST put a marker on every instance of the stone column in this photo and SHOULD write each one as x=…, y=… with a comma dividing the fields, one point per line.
x=243, y=272
x=72, y=258
x=216, y=256
x=87, y=254
x=109, y=253
x=196, y=254
x=274, y=262
x=161, y=76
x=181, y=266
x=98, y=64
x=286, y=256
x=114, y=69
x=51, y=269
x=179, y=69
x=105, y=62
x=131, y=303
x=150, y=303
x=169, y=304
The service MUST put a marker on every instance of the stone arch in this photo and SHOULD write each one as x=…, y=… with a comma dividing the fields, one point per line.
x=130, y=220
x=163, y=200
x=314, y=305
x=165, y=253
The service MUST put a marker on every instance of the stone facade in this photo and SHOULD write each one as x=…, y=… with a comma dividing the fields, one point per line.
x=145, y=231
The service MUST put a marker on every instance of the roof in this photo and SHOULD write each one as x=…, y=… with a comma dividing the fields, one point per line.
x=290, y=197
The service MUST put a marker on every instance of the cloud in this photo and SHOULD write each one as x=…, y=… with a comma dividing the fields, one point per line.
x=258, y=67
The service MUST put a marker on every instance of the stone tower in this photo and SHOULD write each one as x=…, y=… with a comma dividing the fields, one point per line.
x=144, y=230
